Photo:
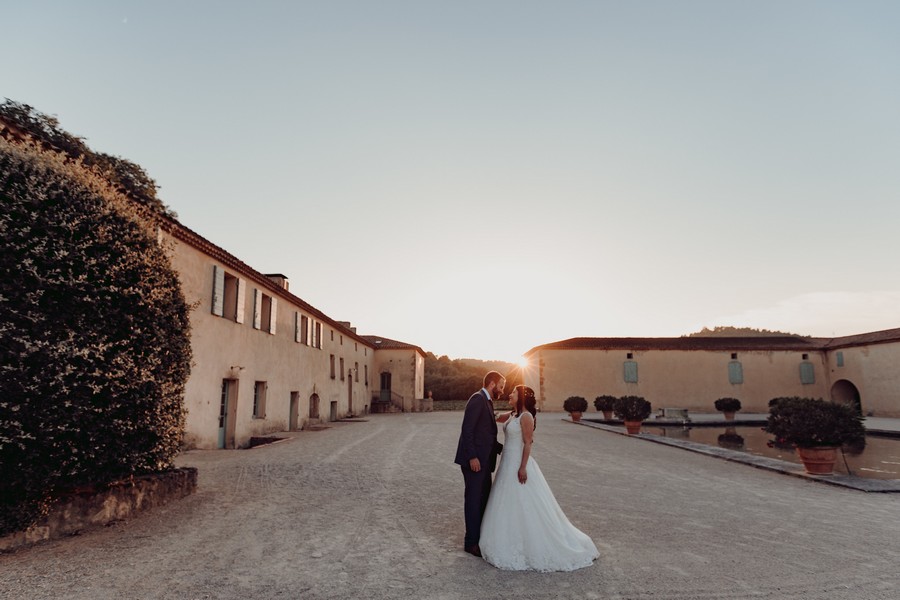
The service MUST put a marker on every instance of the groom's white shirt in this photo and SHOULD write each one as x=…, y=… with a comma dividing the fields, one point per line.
x=486, y=393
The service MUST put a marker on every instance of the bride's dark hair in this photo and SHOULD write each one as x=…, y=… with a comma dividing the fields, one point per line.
x=526, y=401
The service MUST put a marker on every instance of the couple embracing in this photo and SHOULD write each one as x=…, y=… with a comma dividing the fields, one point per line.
x=512, y=521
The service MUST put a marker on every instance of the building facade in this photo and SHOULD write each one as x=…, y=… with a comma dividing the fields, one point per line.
x=267, y=361
x=693, y=372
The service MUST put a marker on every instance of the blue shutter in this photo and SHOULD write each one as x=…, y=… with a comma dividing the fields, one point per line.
x=807, y=373
x=735, y=372
x=631, y=371
x=840, y=359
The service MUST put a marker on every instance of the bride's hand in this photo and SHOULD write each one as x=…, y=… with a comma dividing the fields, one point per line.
x=523, y=475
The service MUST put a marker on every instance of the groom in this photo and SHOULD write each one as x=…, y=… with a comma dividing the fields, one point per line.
x=477, y=453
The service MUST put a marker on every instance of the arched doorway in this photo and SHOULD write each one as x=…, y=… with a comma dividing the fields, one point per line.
x=844, y=392
x=314, y=406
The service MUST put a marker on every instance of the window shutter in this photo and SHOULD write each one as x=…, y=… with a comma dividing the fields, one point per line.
x=807, y=373
x=218, y=296
x=735, y=372
x=239, y=304
x=257, y=309
x=296, y=326
x=272, y=316
x=631, y=371
x=840, y=359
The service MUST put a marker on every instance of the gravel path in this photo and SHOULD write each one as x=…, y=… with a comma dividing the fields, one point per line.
x=373, y=509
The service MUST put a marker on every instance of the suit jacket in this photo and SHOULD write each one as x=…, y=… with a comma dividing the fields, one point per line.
x=478, y=438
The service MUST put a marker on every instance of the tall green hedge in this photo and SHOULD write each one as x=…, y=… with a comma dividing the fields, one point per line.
x=94, y=335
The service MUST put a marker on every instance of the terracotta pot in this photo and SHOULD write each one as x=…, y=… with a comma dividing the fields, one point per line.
x=607, y=415
x=576, y=416
x=729, y=416
x=819, y=460
x=633, y=427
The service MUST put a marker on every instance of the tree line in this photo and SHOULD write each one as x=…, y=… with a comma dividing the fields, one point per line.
x=457, y=379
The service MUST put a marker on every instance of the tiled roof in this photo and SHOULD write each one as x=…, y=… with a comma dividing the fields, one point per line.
x=722, y=344
x=384, y=343
x=862, y=339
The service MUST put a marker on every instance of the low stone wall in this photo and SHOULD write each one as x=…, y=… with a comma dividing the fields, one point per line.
x=449, y=404
x=90, y=508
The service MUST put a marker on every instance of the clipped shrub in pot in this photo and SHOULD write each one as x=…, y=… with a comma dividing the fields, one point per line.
x=728, y=406
x=575, y=406
x=816, y=428
x=605, y=404
x=632, y=410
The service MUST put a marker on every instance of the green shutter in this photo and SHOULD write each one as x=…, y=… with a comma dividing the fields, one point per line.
x=735, y=372
x=631, y=371
x=840, y=359
x=807, y=373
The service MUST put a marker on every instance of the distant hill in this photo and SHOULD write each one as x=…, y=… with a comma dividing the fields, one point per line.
x=727, y=331
x=459, y=378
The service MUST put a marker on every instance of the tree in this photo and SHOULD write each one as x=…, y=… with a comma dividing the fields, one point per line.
x=94, y=334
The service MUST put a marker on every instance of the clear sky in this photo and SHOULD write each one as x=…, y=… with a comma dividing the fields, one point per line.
x=479, y=178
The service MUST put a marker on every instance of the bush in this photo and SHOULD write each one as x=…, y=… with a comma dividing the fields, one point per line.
x=807, y=422
x=632, y=408
x=94, y=335
x=728, y=405
x=575, y=404
x=604, y=403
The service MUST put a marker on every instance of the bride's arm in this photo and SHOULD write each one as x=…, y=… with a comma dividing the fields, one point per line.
x=504, y=416
x=527, y=423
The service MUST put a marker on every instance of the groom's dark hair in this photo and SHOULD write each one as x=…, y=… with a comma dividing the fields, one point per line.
x=492, y=376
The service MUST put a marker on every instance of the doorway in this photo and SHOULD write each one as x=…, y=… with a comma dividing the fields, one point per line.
x=295, y=411
x=844, y=392
x=227, y=412
x=314, y=406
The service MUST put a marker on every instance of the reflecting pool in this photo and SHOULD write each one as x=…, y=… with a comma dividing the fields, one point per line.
x=880, y=459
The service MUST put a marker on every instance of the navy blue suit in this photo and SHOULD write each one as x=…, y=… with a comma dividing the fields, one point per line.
x=478, y=439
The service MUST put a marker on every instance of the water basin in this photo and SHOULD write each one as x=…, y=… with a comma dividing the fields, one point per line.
x=880, y=459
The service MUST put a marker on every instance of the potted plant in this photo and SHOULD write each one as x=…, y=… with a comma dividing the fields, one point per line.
x=605, y=405
x=632, y=410
x=575, y=406
x=816, y=428
x=728, y=406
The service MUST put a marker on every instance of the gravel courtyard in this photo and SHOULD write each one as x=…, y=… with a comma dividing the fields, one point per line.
x=373, y=509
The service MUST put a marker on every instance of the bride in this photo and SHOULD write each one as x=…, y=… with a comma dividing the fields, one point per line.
x=524, y=528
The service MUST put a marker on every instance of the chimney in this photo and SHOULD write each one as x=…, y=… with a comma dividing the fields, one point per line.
x=279, y=279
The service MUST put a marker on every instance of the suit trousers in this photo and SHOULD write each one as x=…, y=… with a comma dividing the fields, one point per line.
x=478, y=488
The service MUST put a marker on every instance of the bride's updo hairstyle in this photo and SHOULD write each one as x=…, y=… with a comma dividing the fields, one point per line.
x=526, y=401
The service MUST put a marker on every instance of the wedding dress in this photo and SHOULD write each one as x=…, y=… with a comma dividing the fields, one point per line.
x=523, y=527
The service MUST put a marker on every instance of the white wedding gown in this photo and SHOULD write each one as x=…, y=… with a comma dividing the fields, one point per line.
x=523, y=527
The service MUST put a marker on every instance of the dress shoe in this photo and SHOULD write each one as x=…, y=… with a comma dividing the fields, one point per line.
x=474, y=550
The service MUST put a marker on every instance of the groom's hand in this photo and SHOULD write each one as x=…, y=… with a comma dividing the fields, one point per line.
x=474, y=465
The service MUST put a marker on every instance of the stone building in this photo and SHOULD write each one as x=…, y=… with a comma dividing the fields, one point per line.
x=692, y=372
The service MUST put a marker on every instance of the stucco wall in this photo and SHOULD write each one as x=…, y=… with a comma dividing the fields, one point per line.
x=224, y=349
x=673, y=378
x=407, y=369
x=873, y=370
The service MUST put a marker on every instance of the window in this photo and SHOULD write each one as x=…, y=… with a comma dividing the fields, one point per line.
x=367, y=375
x=629, y=356
x=840, y=359
x=356, y=372
x=342, y=369
x=734, y=356
x=342, y=340
x=631, y=371
x=318, y=334
x=805, y=357
x=332, y=366
x=332, y=335
x=264, y=311
x=304, y=330
x=356, y=346
x=735, y=372
x=228, y=295
x=259, y=400
x=807, y=373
